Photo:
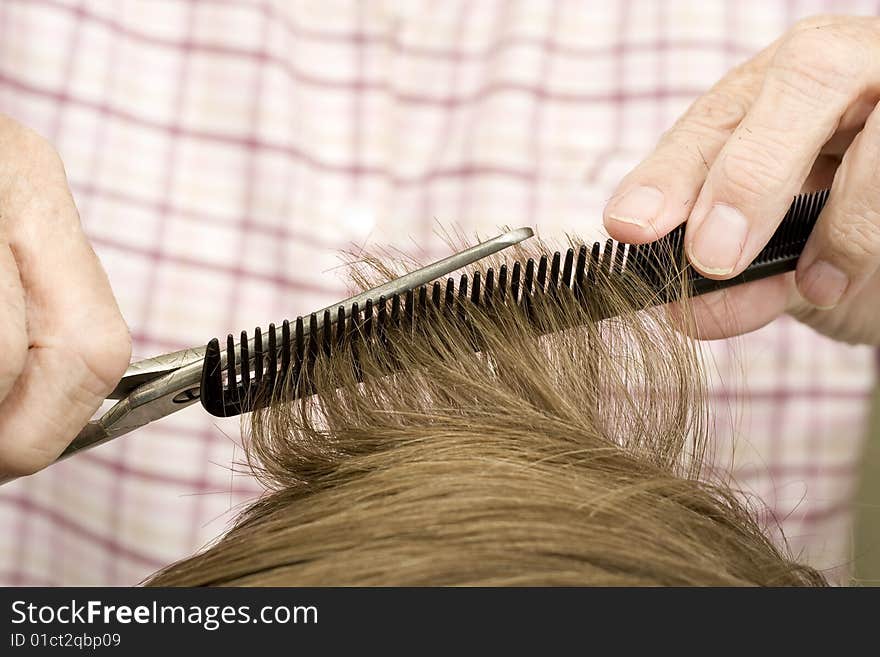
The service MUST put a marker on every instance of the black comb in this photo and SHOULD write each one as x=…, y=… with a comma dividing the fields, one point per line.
x=255, y=366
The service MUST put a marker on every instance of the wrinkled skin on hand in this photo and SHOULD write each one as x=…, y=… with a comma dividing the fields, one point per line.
x=63, y=342
x=801, y=115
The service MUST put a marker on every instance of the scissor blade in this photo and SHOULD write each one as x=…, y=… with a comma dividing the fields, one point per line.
x=150, y=369
x=428, y=273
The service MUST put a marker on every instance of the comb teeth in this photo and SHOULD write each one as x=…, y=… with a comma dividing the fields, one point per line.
x=254, y=367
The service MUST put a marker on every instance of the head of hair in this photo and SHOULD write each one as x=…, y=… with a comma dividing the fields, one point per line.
x=555, y=442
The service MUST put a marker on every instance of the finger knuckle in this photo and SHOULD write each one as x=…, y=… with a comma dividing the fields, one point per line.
x=856, y=236
x=819, y=63
x=752, y=172
x=37, y=172
x=105, y=353
x=718, y=111
x=38, y=151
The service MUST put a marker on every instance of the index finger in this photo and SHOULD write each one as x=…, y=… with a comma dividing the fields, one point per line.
x=659, y=193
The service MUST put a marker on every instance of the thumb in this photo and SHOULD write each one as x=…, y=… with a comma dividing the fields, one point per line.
x=843, y=251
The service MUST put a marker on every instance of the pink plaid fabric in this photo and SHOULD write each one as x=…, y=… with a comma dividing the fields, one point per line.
x=221, y=153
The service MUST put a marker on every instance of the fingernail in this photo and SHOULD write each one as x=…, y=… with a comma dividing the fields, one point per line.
x=718, y=243
x=823, y=285
x=640, y=206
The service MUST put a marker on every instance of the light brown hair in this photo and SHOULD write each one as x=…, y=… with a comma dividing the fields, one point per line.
x=498, y=445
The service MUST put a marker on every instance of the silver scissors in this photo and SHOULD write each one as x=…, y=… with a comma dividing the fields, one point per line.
x=157, y=387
